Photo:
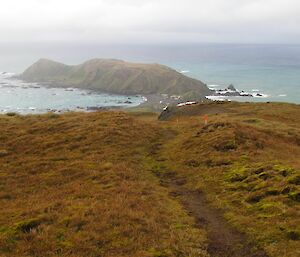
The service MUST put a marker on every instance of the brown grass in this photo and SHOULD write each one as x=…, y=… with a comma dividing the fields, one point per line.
x=247, y=162
x=73, y=185
x=82, y=184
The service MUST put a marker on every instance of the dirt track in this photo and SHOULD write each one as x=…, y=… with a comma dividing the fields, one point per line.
x=224, y=240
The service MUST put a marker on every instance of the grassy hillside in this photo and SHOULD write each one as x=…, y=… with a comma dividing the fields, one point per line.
x=116, y=76
x=119, y=184
x=246, y=161
x=74, y=185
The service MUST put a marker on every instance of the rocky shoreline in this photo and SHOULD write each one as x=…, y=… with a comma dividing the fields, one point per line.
x=161, y=102
x=232, y=91
x=151, y=102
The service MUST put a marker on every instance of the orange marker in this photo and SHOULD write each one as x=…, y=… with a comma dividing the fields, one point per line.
x=205, y=118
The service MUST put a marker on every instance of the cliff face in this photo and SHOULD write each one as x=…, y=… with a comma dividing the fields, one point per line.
x=115, y=76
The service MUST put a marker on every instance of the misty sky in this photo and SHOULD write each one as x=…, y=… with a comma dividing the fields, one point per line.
x=150, y=21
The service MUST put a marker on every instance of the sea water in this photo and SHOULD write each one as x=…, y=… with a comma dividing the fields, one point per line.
x=29, y=98
x=273, y=71
x=270, y=70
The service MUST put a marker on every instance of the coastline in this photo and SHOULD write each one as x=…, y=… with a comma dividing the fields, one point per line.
x=19, y=96
x=150, y=102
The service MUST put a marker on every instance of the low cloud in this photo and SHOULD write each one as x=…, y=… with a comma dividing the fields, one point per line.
x=155, y=21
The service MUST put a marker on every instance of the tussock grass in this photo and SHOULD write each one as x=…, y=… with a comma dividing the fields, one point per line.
x=74, y=185
x=247, y=161
x=85, y=184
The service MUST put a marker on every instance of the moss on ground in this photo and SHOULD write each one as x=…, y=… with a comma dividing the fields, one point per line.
x=87, y=184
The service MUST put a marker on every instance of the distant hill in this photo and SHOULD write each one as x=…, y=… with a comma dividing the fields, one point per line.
x=116, y=76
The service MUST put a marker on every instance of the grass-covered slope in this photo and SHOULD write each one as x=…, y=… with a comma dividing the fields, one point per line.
x=246, y=161
x=117, y=184
x=116, y=76
x=75, y=185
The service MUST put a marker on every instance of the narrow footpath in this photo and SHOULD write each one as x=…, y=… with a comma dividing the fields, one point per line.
x=223, y=239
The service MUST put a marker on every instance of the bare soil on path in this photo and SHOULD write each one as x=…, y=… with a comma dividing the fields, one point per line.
x=224, y=240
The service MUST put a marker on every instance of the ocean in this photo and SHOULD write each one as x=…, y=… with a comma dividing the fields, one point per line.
x=31, y=98
x=271, y=70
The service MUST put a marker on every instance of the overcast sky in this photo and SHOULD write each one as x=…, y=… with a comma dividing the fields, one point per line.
x=150, y=21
